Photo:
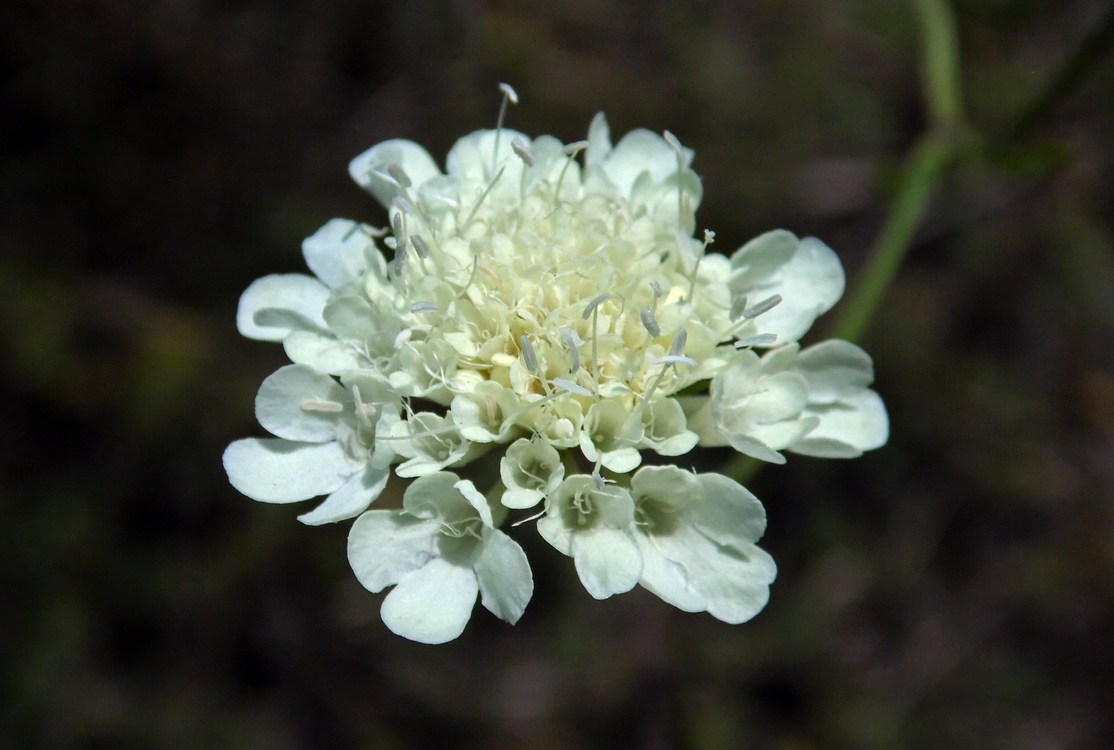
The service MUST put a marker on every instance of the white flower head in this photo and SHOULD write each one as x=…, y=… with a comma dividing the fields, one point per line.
x=548, y=309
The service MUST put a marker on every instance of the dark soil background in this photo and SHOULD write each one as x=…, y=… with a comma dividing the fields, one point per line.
x=952, y=590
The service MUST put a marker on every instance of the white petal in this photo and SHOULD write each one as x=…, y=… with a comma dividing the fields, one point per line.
x=385, y=545
x=642, y=151
x=476, y=499
x=622, y=460
x=728, y=513
x=782, y=435
x=666, y=578
x=759, y=260
x=470, y=158
x=431, y=604
x=834, y=370
x=754, y=448
x=809, y=284
x=737, y=585
x=369, y=168
x=607, y=560
x=503, y=572
x=282, y=471
x=322, y=352
x=297, y=293
x=599, y=141
x=555, y=532
x=337, y=253
x=352, y=499
x=847, y=428
x=279, y=406
x=740, y=401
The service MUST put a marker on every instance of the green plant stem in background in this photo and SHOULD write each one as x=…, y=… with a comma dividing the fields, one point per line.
x=923, y=170
x=919, y=180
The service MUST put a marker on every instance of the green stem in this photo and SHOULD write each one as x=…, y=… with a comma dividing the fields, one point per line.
x=920, y=177
x=923, y=171
x=940, y=62
x=919, y=181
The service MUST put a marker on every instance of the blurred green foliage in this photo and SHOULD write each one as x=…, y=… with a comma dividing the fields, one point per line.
x=954, y=589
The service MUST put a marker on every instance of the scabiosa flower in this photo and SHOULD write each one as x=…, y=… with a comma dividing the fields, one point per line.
x=548, y=318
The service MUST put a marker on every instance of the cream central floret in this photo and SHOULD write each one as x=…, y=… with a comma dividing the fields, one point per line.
x=566, y=286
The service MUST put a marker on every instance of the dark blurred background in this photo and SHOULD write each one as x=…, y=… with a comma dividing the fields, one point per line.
x=952, y=590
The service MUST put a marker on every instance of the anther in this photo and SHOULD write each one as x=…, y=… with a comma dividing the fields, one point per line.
x=419, y=246
x=321, y=405
x=509, y=92
x=528, y=354
x=571, y=387
x=573, y=342
x=675, y=359
x=400, y=258
x=760, y=339
x=364, y=412
x=522, y=150
x=649, y=321
x=511, y=97
x=679, y=341
x=403, y=337
x=594, y=303
x=673, y=142
x=423, y=306
x=574, y=148
x=764, y=306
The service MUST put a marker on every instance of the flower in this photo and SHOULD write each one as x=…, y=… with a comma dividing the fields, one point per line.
x=697, y=535
x=326, y=442
x=439, y=552
x=547, y=318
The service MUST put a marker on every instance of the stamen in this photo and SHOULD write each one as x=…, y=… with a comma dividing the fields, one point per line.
x=590, y=308
x=522, y=150
x=675, y=359
x=764, y=306
x=649, y=321
x=403, y=337
x=528, y=354
x=509, y=97
x=709, y=238
x=676, y=146
x=419, y=246
x=509, y=92
x=572, y=387
x=321, y=405
x=574, y=148
x=679, y=341
x=539, y=514
x=400, y=259
x=760, y=339
x=423, y=306
x=480, y=200
x=364, y=412
x=398, y=224
x=573, y=342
